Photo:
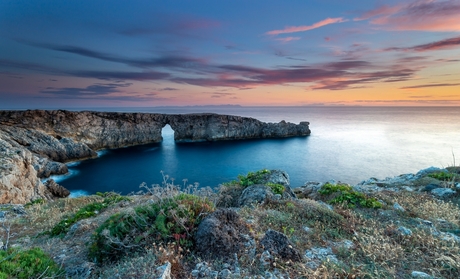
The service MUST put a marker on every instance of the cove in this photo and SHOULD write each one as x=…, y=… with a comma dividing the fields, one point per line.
x=207, y=163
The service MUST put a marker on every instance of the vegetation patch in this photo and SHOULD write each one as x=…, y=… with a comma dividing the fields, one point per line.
x=252, y=178
x=344, y=194
x=276, y=188
x=37, y=201
x=443, y=176
x=89, y=210
x=33, y=263
x=173, y=219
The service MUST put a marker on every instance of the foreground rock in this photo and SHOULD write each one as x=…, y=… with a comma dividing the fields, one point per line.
x=277, y=244
x=221, y=235
x=36, y=143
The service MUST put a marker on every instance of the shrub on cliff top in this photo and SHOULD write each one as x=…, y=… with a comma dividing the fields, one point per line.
x=252, y=178
x=173, y=219
x=33, y=263
x=344, y=194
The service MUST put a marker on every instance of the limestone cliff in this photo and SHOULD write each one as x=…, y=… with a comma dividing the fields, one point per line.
x=36, y=143
x=211, y=127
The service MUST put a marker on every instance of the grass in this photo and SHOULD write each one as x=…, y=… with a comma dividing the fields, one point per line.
x=344, y=194
x=87, y=211
x=31, y=263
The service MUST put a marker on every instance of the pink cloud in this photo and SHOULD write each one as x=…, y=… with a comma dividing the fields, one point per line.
x=288, y=39
x=293, y=29
x=380, y=11
x=423, y=15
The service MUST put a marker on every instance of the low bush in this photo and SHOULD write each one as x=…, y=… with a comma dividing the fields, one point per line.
x=87, y=211
x=252, y=178
x=276, y=188
x=443, y=176
x=173, y=219
x=33, y=263
x=344, y=194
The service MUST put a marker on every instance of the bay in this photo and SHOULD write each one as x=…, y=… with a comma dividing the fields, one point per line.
x=349, y=144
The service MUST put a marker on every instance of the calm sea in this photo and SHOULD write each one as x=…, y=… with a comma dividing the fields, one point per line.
x=349, y=144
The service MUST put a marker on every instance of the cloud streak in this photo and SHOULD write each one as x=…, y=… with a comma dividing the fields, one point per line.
x=294, y=29
x=439, y=45
x=430, y=85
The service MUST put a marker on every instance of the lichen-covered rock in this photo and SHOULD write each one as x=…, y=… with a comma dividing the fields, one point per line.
x=221, y=234
x=309, y=190
x=280, y=177
x=443, y=192
x=278, y=244
x=255, y=194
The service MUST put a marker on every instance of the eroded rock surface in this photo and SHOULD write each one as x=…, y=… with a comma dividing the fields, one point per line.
x=221, y=234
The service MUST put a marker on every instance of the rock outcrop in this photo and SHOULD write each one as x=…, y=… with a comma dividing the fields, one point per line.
x=37, y=143
x=221, y=235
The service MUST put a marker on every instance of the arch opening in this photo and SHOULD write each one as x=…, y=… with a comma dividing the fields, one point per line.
x=167, y=134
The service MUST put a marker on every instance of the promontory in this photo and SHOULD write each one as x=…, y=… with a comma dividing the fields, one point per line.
x=35, y=144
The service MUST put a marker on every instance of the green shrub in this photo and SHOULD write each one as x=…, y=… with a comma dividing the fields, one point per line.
x=443, y=176
x=89, y=210
x=169, y=220
x=33, y=263
x=276, y=188
x=252, y=178
x=346, y=195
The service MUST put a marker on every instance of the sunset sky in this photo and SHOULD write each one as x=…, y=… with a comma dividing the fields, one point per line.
x=65, y=54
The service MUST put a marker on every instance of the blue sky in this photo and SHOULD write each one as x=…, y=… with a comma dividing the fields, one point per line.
x=66, y=54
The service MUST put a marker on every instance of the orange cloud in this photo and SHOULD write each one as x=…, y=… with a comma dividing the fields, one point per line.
x=293, y=29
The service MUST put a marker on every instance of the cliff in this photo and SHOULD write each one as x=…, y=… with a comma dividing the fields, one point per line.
x=35, y=144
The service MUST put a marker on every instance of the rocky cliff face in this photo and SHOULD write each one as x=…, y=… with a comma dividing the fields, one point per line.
x=36, y=143
x=212, y=127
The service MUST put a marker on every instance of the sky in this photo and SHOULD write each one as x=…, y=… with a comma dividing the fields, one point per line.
x=113, y=53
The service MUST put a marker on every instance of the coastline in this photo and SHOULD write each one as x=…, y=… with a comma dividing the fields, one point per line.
x=36, y=144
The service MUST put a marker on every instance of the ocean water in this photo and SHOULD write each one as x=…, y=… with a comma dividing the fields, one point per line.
x=347, y=144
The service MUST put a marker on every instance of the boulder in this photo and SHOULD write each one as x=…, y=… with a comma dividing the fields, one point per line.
x=279, y=245
x=56, y=190
x=430, y=187
x=309, y=190
x=442, y=192
x=255, y=194
x=221, y=234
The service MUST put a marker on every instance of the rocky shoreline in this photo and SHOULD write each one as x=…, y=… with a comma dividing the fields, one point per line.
x=35, y=144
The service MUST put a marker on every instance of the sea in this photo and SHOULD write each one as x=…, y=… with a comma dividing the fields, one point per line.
x=347, y=144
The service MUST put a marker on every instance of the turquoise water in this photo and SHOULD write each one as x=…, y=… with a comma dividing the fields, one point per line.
x=349, y=144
